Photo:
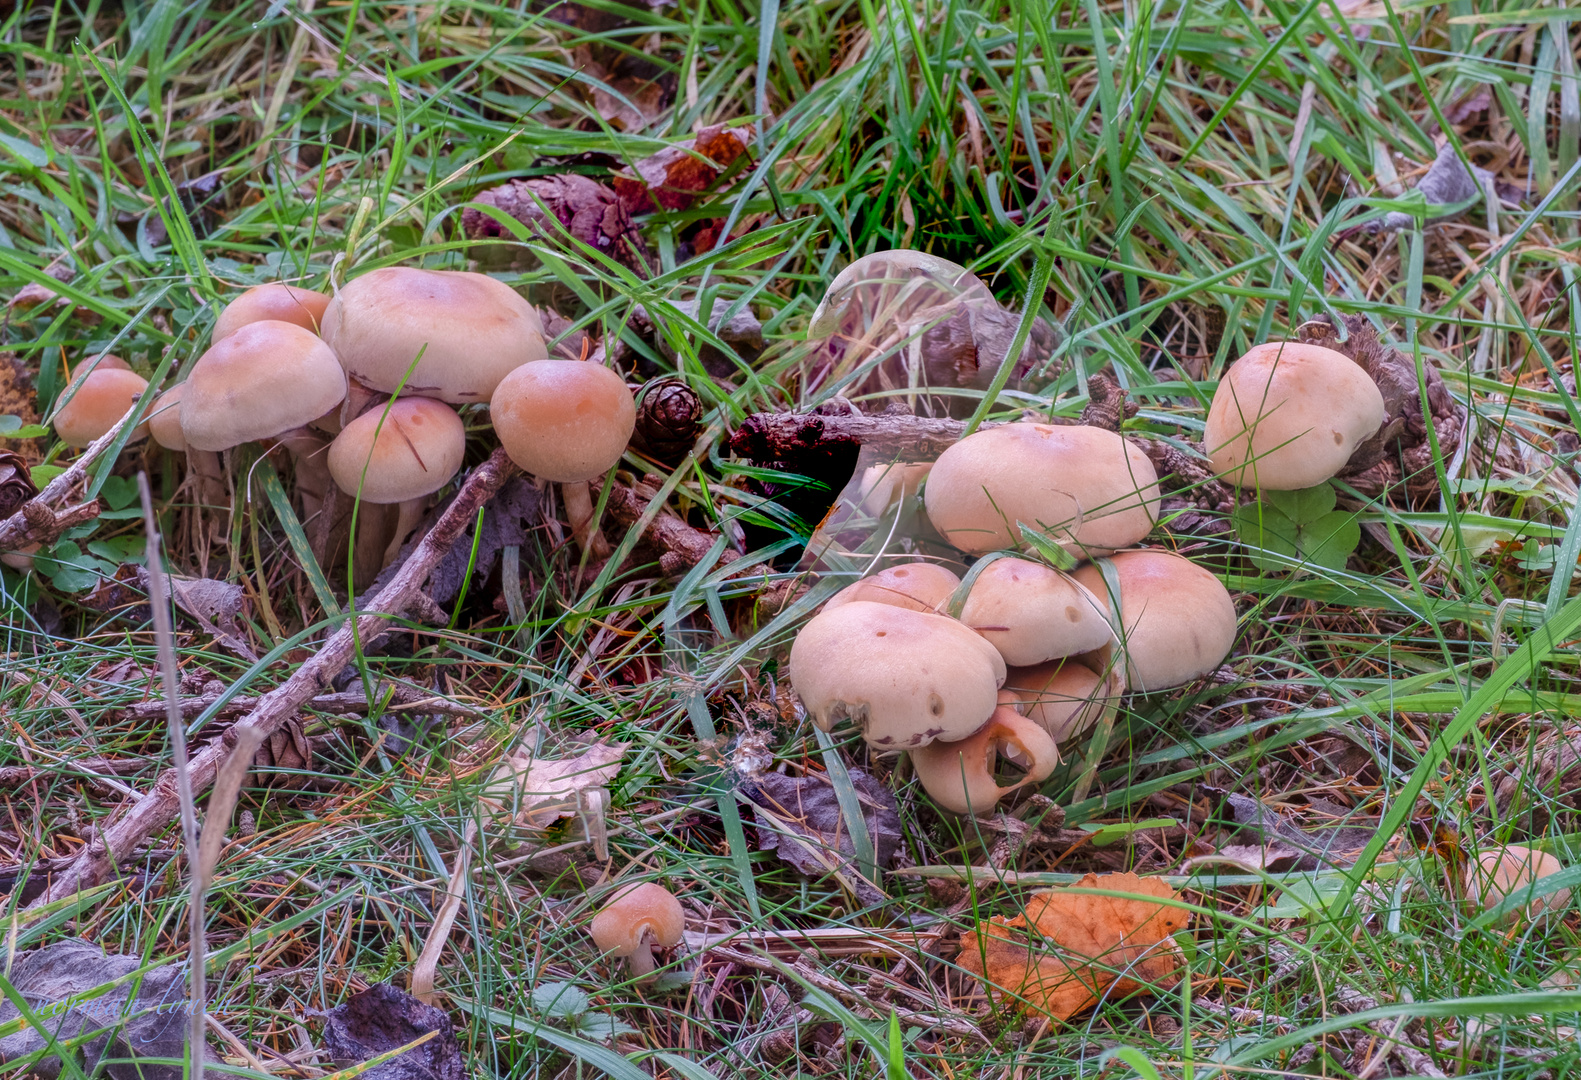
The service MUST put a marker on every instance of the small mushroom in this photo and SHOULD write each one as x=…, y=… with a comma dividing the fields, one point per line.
x=276, y=302
x=919, y=586
x=1513, y=870
x=1087, y=487
x=1032, y=613
x=96, y=400
x=882, y=486
x=904, y=677
x=1063, y=697
x=636, y=920
x=1287, y=416
x=1177, y=620
x=401, y=455
x=960, y=776
x=464, y=331
x=567, y=421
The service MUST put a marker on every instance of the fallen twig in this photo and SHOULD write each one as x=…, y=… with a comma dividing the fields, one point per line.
x=160, y=806
x=349, y=701
x=17, y=530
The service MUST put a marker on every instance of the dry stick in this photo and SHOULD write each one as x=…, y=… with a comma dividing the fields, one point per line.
x=15, y=529
x=160, y=806
x=165, y=640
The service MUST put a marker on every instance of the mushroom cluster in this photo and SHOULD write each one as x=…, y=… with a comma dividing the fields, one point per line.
x=1017, y=656
x=362, y=389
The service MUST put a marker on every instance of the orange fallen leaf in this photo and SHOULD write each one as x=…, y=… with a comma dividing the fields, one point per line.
x=1082, y=947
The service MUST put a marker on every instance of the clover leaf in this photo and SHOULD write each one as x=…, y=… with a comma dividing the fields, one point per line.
x=1287, y=527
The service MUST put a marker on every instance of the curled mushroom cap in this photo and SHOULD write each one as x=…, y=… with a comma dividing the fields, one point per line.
x=1087, y=487
x=960, y=775
x=470, y=331
x=1064, y=697
x=563, y=420
x=1177, y=620
x=409, y=451
x=164, y=419
x=1289, y=416
x=265, y=379
x=274, y=302
x=98, y=399
x=1513, y=870
x=1031, y=612
x=904, y=677
x=635, y=920
x=920, y=586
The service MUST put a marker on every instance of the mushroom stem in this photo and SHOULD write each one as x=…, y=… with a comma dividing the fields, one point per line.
x=310, y=464
x=579, y=515
x=641, y=960
x=206, y=466
x=408, y=515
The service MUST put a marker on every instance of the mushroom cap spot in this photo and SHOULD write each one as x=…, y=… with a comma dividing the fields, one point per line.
x=1087, y=487
x=1177, y=619
x=636, y=915
x=469, y=330
x=906, y=677
x=920, y=586
x=1063, y=697
x=960, y=775
x=1511, y=870
x=263, y=380
x=1288, y=416
x=273, y=302
x=409, y=451
x=1031, y=612
x=164, y=419
x=100, y=398
x=563, y=420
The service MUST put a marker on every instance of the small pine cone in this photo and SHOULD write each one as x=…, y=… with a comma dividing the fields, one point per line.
x=669, y=419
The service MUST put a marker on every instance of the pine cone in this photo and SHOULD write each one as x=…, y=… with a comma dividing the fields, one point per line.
x=669, y=419
x=16, y=483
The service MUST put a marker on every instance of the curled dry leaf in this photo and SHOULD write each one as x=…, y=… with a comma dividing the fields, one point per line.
x=540, y=792
x=674, y=177
x=586, y=209
x=1069, y=950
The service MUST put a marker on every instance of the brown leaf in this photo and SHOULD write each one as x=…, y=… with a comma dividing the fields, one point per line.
x=800, y=819
x=541, y=792
x=16, y=483
x=35, y=293
x=1084, y=947
x=674, y=177
x=586, y=209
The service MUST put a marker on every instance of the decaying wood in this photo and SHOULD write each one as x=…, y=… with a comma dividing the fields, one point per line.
x=160, y=807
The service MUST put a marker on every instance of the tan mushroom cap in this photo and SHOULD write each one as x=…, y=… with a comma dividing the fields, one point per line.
x=1177, y=619
x=470, y=331
x=265, y=379
x=274, y=302
x=563, y=420
x=98, y=400
x=1064, y=697
x=960, y=776
x=904, y=677
x=638, y=917
x=1087, y=487
x=1031, y=612
x=1512, y=870
x=410, y=450
x=164, y=419
x=1288, y=416
x=920, y=586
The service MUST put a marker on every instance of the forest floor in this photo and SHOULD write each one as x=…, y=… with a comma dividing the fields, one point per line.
x=1168, y=183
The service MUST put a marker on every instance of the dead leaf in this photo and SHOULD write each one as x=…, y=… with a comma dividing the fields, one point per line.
x=799, y=819
x=543, y=791
x=586, y=209
x=1084, y=947
x=674, y=177
x=517, y=508
x=1326, y=845
x=16, y=483
x=383, y=1018
x=55, y=982
x=35, y=293
x=1272, y=857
